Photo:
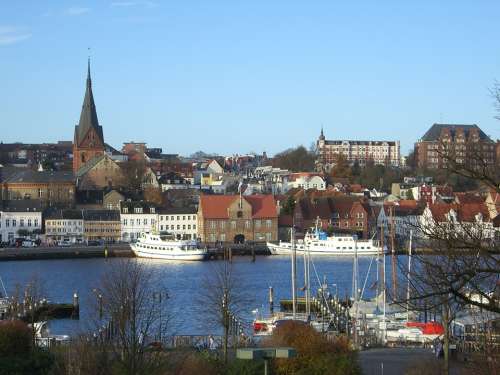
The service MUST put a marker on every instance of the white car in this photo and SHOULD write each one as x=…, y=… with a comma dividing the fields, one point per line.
x=28, y=244
x=65, y=243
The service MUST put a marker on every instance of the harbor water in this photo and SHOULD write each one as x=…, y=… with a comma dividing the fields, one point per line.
x=185, y=281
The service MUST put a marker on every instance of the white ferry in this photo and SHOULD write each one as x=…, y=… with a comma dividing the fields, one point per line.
x=318, y=243
x=165, y=246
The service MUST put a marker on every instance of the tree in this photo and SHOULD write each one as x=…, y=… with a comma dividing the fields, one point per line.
x=132, y=303
x=462, y=274
x=295, y=159
x=222, y=301
x=133, y=172
x=289, y=206
x=341, y=168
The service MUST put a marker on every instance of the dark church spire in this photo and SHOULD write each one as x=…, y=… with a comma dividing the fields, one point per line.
x=88, y=116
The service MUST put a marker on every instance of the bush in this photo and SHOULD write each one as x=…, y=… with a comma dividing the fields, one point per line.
x=316, y=355
x=17, y=353
x=15, y=338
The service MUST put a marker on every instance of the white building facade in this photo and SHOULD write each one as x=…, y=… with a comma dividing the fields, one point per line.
x=381, y=152
x=64, y=225
x=137, y=218
x=182, y=222
x=20, y=218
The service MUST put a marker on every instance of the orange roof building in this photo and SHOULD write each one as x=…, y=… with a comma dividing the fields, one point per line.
x=237, y=219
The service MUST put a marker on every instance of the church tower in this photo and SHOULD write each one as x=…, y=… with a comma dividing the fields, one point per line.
x=89, y=140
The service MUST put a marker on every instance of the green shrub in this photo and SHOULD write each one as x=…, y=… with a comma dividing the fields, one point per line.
x=316, y=355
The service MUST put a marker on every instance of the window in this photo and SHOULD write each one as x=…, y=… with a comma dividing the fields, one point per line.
x=125, y=222
x=194, y=226
x=222, y=225
x=269, y=236
x=29, y=222
x=213, y=224
x=21, y=223
x=145, y=221
x=184, y=218
x=138, y=210
x=7, y=222
x=239, y=214
x=14, y=223
x=152, y=210
x=269, y=223
x=125, y=210
x=233, y=224
x=257, y=223
x=223, y=237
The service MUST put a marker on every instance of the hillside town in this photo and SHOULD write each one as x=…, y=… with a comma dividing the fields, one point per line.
x=89, y=192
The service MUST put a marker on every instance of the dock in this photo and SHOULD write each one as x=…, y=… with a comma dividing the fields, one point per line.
x=228, y=251
x=35, y=253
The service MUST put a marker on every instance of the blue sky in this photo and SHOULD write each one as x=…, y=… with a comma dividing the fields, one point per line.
x=240, y=76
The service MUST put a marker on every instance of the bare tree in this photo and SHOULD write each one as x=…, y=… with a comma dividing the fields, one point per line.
x=460, y=270
x=222, y=301
x=131, y=306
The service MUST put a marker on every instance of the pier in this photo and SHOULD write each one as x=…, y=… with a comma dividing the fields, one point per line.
x=34, y=253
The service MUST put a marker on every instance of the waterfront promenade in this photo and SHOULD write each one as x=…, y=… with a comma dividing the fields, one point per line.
x=25, y=253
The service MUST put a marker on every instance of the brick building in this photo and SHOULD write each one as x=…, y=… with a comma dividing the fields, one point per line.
x=102, y=225
x=464, y=144
x=51, y=188
x=237, y=219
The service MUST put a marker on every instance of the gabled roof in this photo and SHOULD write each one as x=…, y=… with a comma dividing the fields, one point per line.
x=434, y=133
x=216, y=206
x=88, y=116
x=465, y=212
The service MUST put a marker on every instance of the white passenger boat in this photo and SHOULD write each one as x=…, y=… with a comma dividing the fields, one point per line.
x=318, y=243
x=165, y=246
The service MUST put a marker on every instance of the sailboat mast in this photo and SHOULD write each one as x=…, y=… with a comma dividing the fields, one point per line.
x=408, y=278
x=294, y=264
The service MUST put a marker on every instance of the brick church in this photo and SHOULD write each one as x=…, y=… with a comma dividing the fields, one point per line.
x=89, y=140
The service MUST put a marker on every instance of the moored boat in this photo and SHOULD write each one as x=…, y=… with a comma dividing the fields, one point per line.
x=318, y=243
x=165, y=246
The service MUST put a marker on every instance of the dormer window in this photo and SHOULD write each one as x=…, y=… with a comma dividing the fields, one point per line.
x=125, y=210
x=152, y=210
x=239, y=214
x=138, y=210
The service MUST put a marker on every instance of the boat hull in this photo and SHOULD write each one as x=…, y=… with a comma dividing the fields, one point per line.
x=278, y=249
x=169, y=255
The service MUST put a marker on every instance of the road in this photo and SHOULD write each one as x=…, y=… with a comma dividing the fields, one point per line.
x=401, y=361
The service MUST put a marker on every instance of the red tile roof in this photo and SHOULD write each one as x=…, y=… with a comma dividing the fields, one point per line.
x=466, y=212
x=215, y=206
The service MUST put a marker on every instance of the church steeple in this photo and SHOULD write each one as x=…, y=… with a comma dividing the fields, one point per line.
x=88, y=116
x=89, y=139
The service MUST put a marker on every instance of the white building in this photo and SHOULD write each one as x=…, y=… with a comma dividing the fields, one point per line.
x=304, y=181
x=136, y=218
x=381, y=152
x=179, y=221
x=64, y=225
x=20, y=218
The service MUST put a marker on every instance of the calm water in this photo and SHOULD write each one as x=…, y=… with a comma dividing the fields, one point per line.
x=184, y=281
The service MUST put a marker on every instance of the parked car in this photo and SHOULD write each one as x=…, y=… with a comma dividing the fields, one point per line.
x=28, y=244
x=93, y=243
x=65, y=243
